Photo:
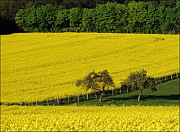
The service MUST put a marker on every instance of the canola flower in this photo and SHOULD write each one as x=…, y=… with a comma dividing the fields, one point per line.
x=46, y=65
x=89, y=118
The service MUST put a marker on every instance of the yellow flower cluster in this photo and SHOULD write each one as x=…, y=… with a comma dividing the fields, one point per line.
x=46, y=65
x=89, y=118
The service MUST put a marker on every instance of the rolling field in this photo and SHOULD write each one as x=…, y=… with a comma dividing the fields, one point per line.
x=46, y=65
x=89, y=118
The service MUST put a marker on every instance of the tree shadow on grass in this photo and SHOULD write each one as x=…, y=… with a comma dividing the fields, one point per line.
x=146, y=97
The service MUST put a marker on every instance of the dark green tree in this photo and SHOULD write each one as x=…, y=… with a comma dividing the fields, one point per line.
x=172, y=18
x=132, y=18
x=137, y=13
x=105, y=17
x=62, y=19
x=32, y=21
x=75, y=17
x=24, y=20
x=96, y=81
x=46, y=18
x=139, y=81
x=88, y=24
x=152, y=23
x=161, y=19
x=176, y=20
x=141, y=16
x=121, y=21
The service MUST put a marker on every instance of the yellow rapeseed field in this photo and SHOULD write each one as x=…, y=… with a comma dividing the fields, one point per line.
x=46, y=65
x=90, y=118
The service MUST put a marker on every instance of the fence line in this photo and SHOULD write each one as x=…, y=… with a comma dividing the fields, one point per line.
x=94, y=95
x=48, y=101
x=58, y=100
x=36, y=102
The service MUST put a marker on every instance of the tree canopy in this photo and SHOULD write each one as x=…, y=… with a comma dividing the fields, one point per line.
x=139, y=81
x=100, y=81
x=120, y=16
x=135, y=17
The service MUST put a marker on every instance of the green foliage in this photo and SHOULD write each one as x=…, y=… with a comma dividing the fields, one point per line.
x=75, y=17
x=137, y=14
x=135, y=17
x=127, y=16
x=139, y=81
x=62, y=19
x=23, y=20
x=152, y=23
x=121, y=21
x=45, y=18
x=96, y=81
x=88, y=18
x=36, y=19
x=105, y=17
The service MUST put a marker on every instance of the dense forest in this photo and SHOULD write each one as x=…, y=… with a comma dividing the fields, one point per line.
x=119, y=16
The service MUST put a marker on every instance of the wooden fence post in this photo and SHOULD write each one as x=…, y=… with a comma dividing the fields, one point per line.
x=95, y=95
x=160, y=80
x=120, y=91
x=87, y=96
x=112, y=92
x=177, y=75
x=68, y=99
x=32, y=104
x=25, y=102
x=78, y=98
x=48, y=101
x=171, y=77
x=36, y=102
x=165, y=79
x=58, y=100
x=127, y=90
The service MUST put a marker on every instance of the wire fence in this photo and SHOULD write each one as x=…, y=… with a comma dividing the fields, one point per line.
x=89, y=96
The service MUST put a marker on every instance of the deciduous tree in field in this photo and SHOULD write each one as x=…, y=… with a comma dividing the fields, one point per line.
x=75, y=17
x=139, y=81
x=88, y=24
x=96, y=81
x=62, y=19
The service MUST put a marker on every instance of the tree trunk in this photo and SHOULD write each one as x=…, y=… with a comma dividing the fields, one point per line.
x=102, y=95
x=139, y=97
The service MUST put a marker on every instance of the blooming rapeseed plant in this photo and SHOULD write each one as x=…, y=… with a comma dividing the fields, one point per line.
x=46, y=65
x=89, y=118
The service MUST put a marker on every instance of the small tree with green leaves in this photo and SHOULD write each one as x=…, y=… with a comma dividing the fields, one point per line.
x=139, y=81
x=97, y=82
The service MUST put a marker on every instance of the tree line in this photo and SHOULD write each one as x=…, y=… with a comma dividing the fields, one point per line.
x=121, y=16
x=135, y=17
x=101, y=81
